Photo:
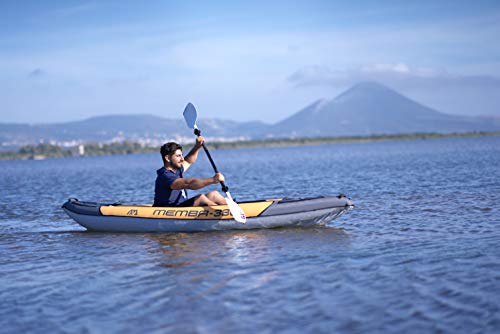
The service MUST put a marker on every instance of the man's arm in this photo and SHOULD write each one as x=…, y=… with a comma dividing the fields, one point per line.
x=193, y=183
x=193, y=154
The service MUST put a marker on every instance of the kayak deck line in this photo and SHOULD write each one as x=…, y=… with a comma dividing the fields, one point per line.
x=194, y=212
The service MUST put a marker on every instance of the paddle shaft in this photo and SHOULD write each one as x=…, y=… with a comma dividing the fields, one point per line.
x=225, y=189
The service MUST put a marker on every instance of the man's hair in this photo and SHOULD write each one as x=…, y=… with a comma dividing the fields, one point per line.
x=169, y=149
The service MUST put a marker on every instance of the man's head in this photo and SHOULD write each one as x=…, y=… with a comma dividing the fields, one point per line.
x=171, y=154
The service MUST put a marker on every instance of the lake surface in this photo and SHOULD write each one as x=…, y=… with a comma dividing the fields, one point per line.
x=419, y=253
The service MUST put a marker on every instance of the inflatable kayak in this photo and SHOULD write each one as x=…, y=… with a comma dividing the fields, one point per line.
x=267, y=213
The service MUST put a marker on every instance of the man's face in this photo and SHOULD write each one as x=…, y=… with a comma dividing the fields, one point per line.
x=176, y=159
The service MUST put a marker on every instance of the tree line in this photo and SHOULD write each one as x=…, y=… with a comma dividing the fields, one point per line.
x=44, y=150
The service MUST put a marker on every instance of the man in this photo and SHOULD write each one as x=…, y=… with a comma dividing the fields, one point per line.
x=170, y=186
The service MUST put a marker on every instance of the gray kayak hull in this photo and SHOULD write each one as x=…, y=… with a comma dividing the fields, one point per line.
x=280, y=214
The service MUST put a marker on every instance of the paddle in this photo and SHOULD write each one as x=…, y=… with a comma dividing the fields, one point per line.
x=190, y=115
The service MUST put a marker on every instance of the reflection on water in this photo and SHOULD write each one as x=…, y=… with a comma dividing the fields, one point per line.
x=220, y=260
x=237, y=247
x=419, y=253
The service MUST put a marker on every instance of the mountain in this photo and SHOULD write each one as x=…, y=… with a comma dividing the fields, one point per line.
x=371, y=108
x=124, y=127
x=365, y=109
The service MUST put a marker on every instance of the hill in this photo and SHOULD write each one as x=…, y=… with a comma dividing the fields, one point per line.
x=370, y=108
x=141, y=128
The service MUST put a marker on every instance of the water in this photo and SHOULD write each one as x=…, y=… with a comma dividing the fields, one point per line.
x=419, y=253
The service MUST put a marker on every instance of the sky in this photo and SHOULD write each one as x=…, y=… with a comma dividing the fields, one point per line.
x=241, y=60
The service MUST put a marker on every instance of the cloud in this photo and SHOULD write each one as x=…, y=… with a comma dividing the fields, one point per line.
x=398, y=75
x=75, y=10
x=36, y=73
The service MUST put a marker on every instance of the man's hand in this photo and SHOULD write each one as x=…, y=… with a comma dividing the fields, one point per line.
x=218, y=177
x=199, y=142
x=193, y=154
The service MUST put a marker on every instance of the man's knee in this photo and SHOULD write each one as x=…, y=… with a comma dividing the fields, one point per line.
x=213, y=193
x=216, y=197
x=200, y=200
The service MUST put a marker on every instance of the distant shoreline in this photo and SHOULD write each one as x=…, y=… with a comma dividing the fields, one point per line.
x=346, y=139
x=44, y=151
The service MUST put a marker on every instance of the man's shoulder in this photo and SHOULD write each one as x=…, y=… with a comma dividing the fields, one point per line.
x=169, y=174
x=160, y=173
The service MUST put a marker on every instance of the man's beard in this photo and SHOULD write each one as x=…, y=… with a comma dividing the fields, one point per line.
x=173, y=165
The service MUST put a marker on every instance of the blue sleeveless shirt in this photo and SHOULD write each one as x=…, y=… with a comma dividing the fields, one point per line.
x=164, y=195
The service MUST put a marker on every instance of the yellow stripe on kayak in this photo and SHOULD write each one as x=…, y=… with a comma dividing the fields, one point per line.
x=215, y=212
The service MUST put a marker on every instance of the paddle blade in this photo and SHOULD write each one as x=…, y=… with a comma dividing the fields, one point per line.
x=190, y=116
x=237, y=212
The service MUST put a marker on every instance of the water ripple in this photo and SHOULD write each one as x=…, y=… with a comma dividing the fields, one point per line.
x=419, y=253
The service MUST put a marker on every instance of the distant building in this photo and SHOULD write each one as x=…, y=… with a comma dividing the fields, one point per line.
x=37, y=157
x=81, y=150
